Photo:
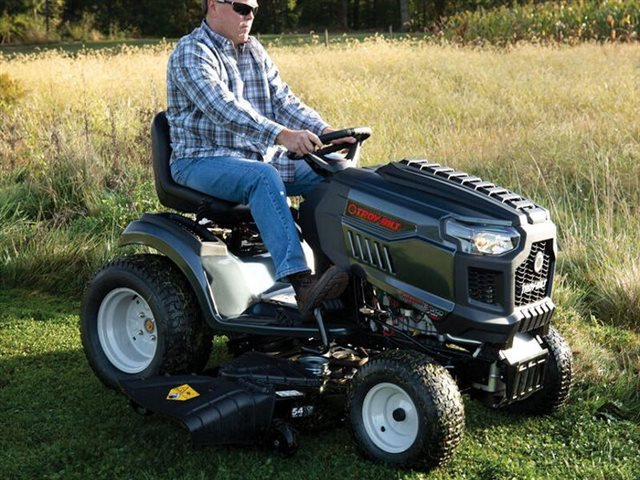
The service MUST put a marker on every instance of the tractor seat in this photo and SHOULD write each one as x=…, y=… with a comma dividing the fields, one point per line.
x=185, y=199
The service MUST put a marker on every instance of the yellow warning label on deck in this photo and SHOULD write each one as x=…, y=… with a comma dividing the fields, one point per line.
x=182, y=393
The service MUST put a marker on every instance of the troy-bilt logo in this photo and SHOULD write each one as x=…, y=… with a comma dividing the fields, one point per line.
x=530, y=287
x=355, y=210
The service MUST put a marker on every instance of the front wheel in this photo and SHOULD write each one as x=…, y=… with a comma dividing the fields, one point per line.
x=140, y=319
x=406, y=410
x=557, y=382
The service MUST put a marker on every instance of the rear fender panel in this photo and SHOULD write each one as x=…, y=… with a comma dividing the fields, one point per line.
x=170, y=239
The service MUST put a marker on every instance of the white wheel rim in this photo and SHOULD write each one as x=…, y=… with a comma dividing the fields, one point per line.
x=390, y=418
x=127, y=330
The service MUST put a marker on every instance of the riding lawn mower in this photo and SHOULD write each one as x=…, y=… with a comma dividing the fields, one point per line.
x=450, y=290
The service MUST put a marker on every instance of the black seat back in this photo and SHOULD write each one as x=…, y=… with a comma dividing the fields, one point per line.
x=181, y=198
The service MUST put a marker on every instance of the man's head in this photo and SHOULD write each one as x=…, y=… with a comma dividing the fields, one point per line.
x=231, y=18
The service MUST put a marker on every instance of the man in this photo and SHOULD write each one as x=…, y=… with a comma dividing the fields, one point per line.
x=228, y=110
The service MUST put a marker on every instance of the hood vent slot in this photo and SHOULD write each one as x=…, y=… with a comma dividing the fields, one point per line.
x=370, y=251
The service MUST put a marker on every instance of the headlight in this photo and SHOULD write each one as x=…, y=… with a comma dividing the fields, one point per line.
x=483, y=239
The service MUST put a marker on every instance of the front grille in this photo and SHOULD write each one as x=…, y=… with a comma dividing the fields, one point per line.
x=532, y=286
x=483, y=285
x=526, y=378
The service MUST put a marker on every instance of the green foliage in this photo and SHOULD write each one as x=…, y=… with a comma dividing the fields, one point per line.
x=569, y=22
x=84, y=29
x=51, y=258
x=24, y=28
x=59, y=253
x=492, y=21
x=62, y=223
x=6, y=29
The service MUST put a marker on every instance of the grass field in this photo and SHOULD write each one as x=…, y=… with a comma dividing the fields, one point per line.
x=59, y=422
x=559, y=125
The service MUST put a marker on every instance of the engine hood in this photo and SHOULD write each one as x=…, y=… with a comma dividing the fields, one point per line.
x=459, y=193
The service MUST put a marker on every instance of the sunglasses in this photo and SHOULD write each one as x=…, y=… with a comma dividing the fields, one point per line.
x=240, y=8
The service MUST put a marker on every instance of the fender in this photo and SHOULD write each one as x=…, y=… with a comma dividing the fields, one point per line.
x=183, y=249
x=170, y=239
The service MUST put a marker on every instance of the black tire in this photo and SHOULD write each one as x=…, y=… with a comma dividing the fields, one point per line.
x=183, y=341
x=557, y=383
x=436, y=408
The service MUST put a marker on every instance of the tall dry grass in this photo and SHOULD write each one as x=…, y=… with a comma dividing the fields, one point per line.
x=559, y=125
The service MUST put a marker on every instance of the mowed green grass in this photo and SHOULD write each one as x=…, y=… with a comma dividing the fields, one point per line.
x=59, y=422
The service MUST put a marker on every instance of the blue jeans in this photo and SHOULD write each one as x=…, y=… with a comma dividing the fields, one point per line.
x=259, y=186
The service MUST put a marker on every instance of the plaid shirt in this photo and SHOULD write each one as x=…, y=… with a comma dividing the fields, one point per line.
x=228, y=101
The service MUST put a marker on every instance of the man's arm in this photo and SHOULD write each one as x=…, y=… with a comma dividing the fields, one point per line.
x=196, y=73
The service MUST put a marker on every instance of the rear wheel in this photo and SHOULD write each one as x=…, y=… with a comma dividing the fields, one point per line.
x=406, y=410
x=140, y=319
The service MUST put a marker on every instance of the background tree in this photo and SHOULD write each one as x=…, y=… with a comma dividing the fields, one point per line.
x=405, y=17
x=173, y=18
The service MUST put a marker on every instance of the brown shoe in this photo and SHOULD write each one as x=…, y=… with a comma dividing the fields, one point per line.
x=311, y=291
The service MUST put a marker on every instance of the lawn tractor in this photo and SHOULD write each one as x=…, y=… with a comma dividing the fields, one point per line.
x=449, y=291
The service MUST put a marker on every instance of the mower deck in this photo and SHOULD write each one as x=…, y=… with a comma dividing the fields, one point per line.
x=238, y=406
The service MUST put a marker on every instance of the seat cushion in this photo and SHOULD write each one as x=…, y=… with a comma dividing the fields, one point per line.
x=179, y=197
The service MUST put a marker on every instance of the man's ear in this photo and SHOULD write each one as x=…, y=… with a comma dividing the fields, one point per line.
x=212, y=12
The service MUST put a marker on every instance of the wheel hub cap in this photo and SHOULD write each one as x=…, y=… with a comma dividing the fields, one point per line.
x=390, y=418
x=399, y=415
x=127, y=330
x=149, y=326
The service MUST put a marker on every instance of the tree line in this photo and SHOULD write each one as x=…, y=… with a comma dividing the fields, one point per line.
x=173, y=18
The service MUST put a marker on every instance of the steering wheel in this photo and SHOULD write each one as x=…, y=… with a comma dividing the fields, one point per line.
x=323, y=163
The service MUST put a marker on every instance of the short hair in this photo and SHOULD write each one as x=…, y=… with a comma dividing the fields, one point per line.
x=205, y=6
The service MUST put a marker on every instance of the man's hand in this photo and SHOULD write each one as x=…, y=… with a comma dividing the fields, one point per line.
x=299, y=142
x=338, y=141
